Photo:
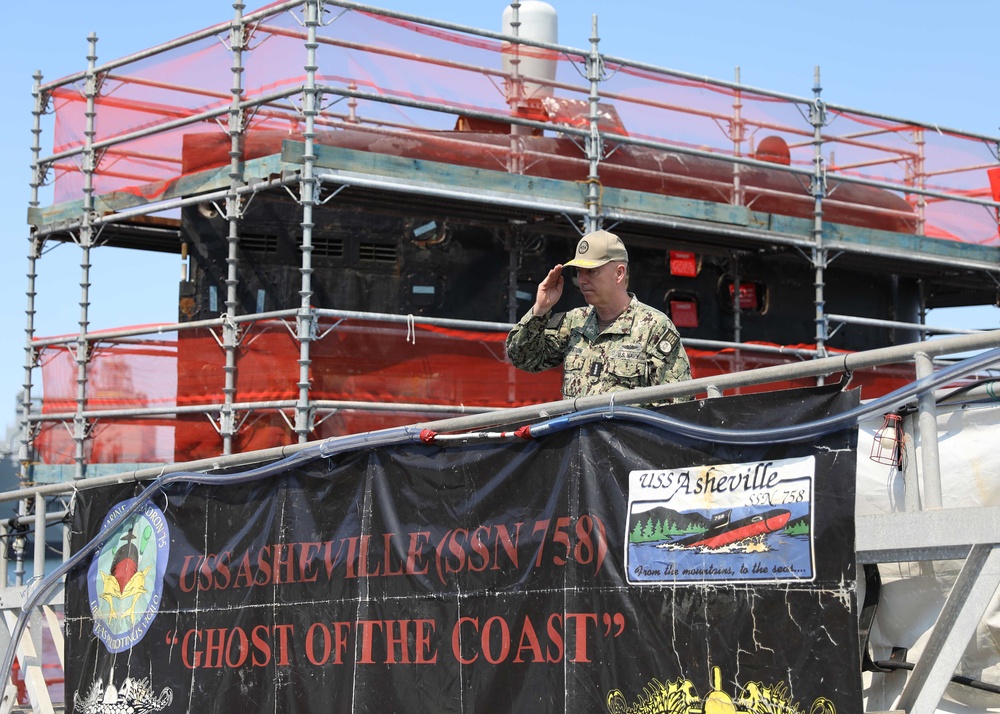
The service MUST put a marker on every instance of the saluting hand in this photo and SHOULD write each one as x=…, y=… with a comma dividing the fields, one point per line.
x=549, y=292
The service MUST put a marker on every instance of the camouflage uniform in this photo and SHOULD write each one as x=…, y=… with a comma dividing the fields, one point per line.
x=639, y=349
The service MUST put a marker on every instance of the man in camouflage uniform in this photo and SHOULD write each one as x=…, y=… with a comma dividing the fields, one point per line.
x=616, y=343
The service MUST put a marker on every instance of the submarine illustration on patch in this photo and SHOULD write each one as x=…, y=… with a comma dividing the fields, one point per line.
x=723, y=531
x=126, y=561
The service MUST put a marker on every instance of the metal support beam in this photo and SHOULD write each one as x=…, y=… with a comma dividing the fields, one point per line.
x=967, y=601
x=920, y=535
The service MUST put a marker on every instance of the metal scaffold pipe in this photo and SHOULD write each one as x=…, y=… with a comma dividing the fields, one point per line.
x=817, y=117
x=515, y=93
x=309, y=188
x=595, y=145
x=34, y=251
x=90, y=163
x=737, y=133
x=237, y=38
x=919, y=178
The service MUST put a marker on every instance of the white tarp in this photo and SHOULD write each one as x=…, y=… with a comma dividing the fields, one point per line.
x=913, y=592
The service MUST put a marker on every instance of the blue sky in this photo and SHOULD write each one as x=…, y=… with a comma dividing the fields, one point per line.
x=914, y=59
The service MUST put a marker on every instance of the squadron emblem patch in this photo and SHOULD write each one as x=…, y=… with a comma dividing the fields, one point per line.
x=125, y=579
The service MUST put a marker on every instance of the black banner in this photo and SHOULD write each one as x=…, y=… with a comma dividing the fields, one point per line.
x=612, y=567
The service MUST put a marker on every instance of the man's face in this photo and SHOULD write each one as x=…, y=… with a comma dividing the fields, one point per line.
x=600, y=286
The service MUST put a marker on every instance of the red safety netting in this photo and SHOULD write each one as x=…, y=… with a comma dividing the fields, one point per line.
x=415, y=79
x=380, y=363
x=387, y=366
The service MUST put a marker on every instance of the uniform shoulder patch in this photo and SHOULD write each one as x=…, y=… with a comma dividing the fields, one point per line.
x=668, y=343
x=555, y=321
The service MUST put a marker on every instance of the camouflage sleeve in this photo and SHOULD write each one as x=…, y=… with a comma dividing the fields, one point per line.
x=536, y=343
x=669, y=359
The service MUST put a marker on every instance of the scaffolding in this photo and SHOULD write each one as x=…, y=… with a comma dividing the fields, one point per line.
x=315, y=100
x=297, y=98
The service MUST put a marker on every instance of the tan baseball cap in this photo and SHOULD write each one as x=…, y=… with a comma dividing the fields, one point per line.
x=597, y=248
